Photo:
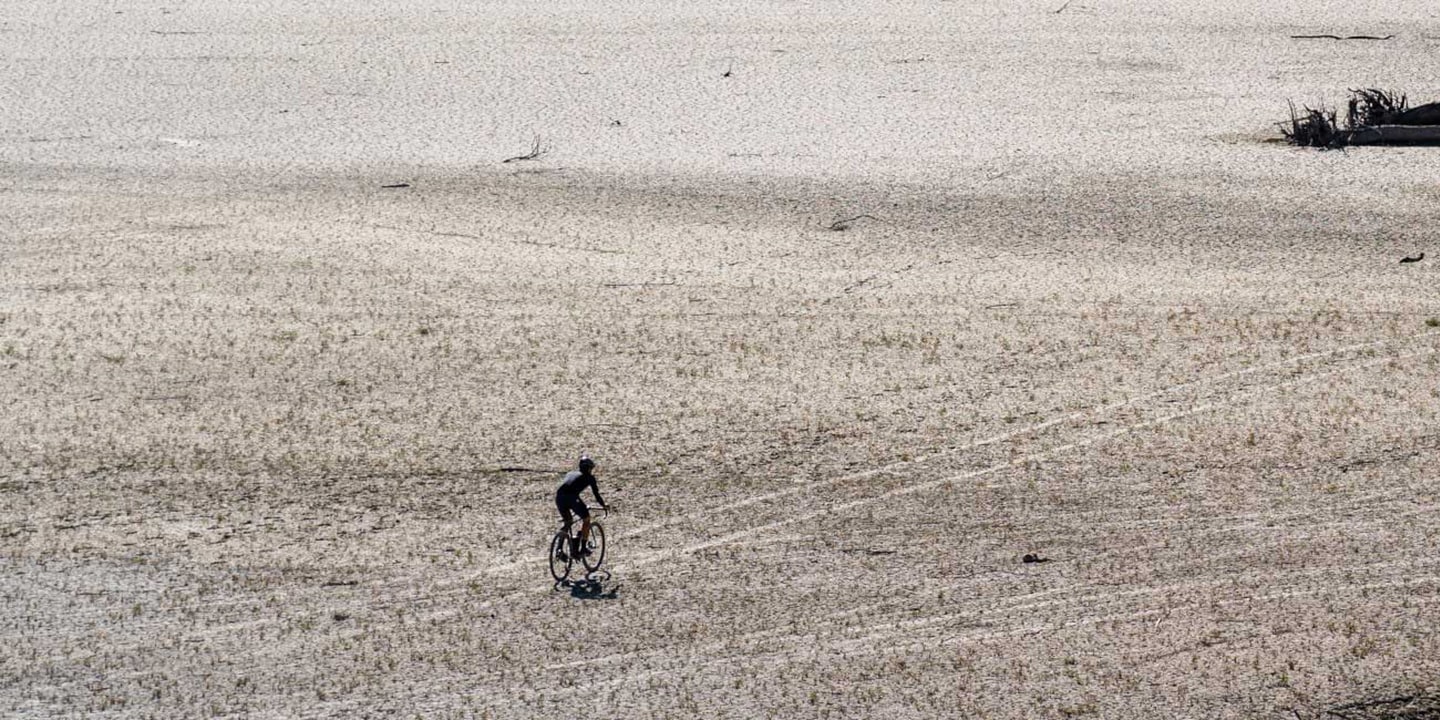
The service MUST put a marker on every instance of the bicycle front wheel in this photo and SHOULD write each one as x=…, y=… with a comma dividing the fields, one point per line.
x=596, y=547
x=559, y=557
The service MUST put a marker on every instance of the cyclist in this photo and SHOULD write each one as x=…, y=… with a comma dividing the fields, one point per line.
x=568, y=502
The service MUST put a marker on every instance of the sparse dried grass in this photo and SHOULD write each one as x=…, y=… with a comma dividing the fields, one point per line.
x=218, y=524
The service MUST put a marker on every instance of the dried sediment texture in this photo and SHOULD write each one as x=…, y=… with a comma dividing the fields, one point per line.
x=258, y=406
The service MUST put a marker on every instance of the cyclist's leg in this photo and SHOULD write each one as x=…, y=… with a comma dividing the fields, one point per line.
x=584, y=512
x=564, y=505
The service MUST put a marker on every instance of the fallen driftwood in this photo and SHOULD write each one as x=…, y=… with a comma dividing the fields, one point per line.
x=1373, y=117
x=1391, y=135
x=1412, y=258
x=1428, y=114
x=1370, y=107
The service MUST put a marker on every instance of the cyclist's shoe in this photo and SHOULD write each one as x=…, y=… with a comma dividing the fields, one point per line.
x=584, y=552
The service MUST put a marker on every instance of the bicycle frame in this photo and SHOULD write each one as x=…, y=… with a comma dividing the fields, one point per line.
x=562, y=544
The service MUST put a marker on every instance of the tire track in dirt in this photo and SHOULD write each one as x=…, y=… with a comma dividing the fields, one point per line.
x=1088, y=594
x=1231, y=399
x=1031, y=429
x=938, y=631
x=882, y=636
x=908, y=489
x=869, y=642
x=1335, y=355
x=777, y=658
x=710, y=512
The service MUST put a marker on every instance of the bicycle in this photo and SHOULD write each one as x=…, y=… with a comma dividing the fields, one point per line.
x=561, y=559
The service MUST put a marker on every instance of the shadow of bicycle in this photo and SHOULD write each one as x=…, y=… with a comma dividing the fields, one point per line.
x=591, y=588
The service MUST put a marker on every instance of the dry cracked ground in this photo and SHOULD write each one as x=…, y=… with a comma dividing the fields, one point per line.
x=285, y=446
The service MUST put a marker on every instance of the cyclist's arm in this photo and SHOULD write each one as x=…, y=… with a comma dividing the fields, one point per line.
x=595, y=488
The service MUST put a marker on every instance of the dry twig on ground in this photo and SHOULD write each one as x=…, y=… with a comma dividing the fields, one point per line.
x=843, y=224
x=536, y=150
x=1329, y=36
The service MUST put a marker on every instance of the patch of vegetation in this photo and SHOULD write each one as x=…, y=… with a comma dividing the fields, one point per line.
x=1311, y=128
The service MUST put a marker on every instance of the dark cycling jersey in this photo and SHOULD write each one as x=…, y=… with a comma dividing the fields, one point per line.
x=575, y=482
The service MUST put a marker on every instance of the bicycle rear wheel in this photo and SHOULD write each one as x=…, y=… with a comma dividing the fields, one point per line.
x=596, y=545
x=560, y=559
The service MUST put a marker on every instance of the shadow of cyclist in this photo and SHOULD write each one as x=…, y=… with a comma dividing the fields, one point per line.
x=591, y=588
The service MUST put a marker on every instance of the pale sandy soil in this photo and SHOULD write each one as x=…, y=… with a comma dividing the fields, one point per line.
x=256, y=406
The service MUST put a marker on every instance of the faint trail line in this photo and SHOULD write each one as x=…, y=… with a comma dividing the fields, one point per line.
x=537, y=562
x=1025, y=603
x=1079, y=415
x=661, y=555
x=1069, y=595
x=863, y=638
x=868, y=645
x=1038, y=427
x=1087, y=594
